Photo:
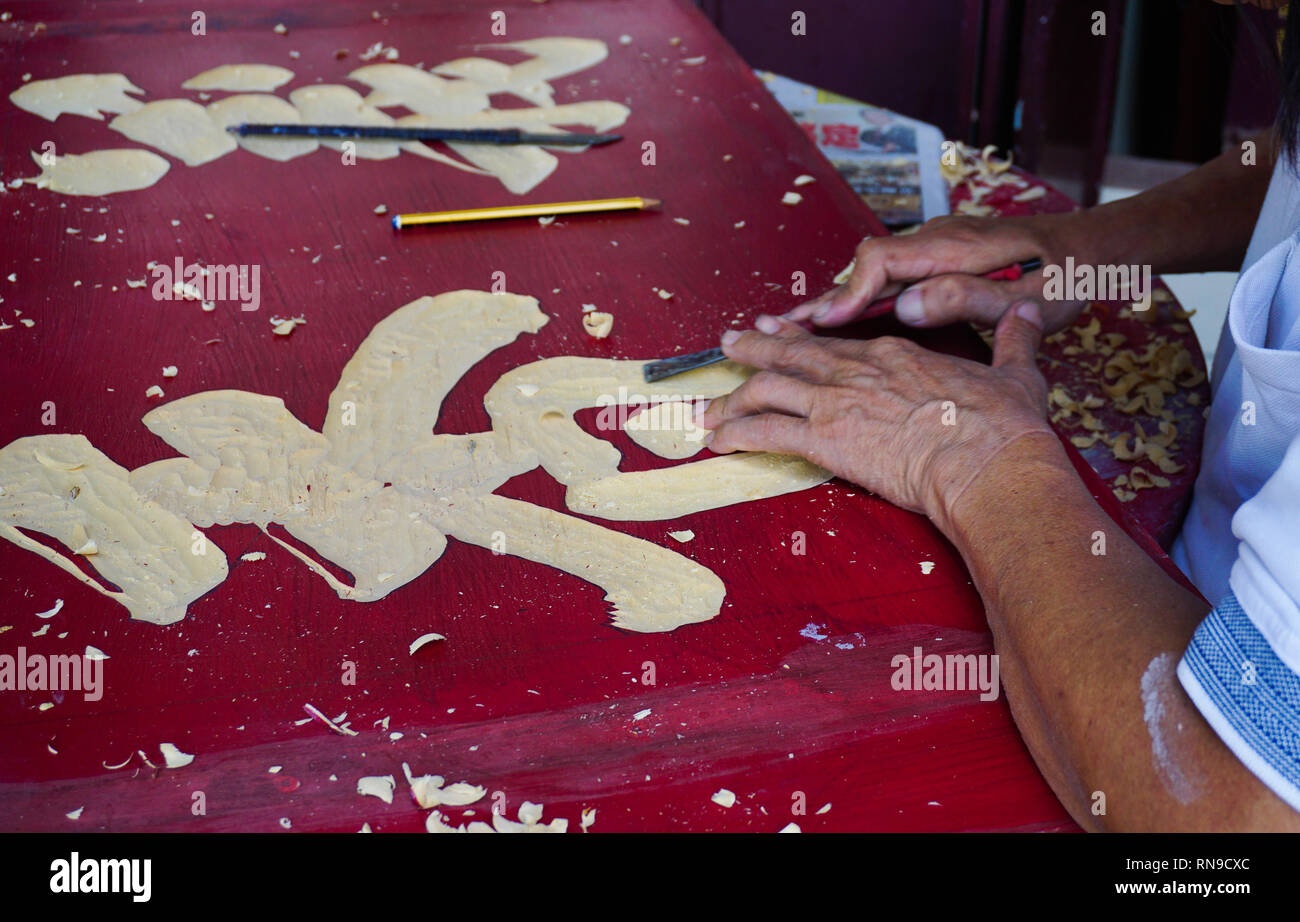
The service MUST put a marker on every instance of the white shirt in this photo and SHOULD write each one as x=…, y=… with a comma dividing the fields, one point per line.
x=1240, y=543
x=1257, y=360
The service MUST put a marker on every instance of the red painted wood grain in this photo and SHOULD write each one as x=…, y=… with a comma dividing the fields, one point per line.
x=785, y=693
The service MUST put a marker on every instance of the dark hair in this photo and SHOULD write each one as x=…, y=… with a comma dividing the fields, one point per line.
x=1288, y=114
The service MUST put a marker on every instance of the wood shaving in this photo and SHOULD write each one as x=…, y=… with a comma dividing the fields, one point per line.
x=173, y=757
x=424, y=788
x=253, y=557
x=381, y=786
x=791, y=198
x=379, y=50
x=530, y=820
x=995, y=166
x=979, y=173
x=283, y=326
x=435, y=822
x=682, y=536
x=598, y=324
x=95, y=654
x=724, y=798
x=967, y=207
x=1136, y=382
x=424, y=639
x=461, y=794
x=337, y=725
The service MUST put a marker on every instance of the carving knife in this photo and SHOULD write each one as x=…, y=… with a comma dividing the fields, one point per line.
x=402, y=133
x=667, y=368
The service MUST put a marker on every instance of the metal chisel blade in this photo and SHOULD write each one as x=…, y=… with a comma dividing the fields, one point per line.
x=666, y=368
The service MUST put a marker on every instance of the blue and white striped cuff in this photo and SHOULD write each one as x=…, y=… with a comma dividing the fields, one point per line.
x=1249, y=696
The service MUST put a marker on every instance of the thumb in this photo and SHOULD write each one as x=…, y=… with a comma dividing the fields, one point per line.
x=1019, y=333
x=947, y=299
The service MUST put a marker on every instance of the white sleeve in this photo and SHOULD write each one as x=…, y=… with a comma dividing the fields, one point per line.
x=1242, y=668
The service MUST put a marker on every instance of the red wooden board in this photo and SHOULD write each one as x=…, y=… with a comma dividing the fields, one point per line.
x=1158, y=511
x=786, y=694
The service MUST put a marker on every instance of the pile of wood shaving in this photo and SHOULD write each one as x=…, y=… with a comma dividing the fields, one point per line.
x=981, y=174
x=1132, y=382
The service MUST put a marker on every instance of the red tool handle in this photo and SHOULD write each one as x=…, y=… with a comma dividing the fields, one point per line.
x=1011, y=273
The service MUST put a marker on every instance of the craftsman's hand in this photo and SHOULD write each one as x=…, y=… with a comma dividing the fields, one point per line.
x=938, y=268
x=913, y=426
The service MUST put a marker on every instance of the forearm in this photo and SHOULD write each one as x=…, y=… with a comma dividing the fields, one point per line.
x=1087, y=645
x=1199, y=222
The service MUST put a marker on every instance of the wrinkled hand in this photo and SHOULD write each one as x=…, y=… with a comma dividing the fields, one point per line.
x=936, y=272
x=913, y=426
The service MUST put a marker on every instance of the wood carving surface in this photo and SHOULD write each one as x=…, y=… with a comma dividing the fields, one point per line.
x=377, y=493
x=452, y=95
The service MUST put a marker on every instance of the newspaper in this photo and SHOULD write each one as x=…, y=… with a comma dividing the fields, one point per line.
x=890, y=160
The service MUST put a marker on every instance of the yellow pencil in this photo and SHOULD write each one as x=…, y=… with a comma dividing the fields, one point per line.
x=522, y=211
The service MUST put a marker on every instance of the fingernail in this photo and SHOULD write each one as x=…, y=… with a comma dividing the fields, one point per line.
x=701, y=408
x=821, y=312
x=767, y=324
x=730, y=337
x=1029, y=312
x=909, y=307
